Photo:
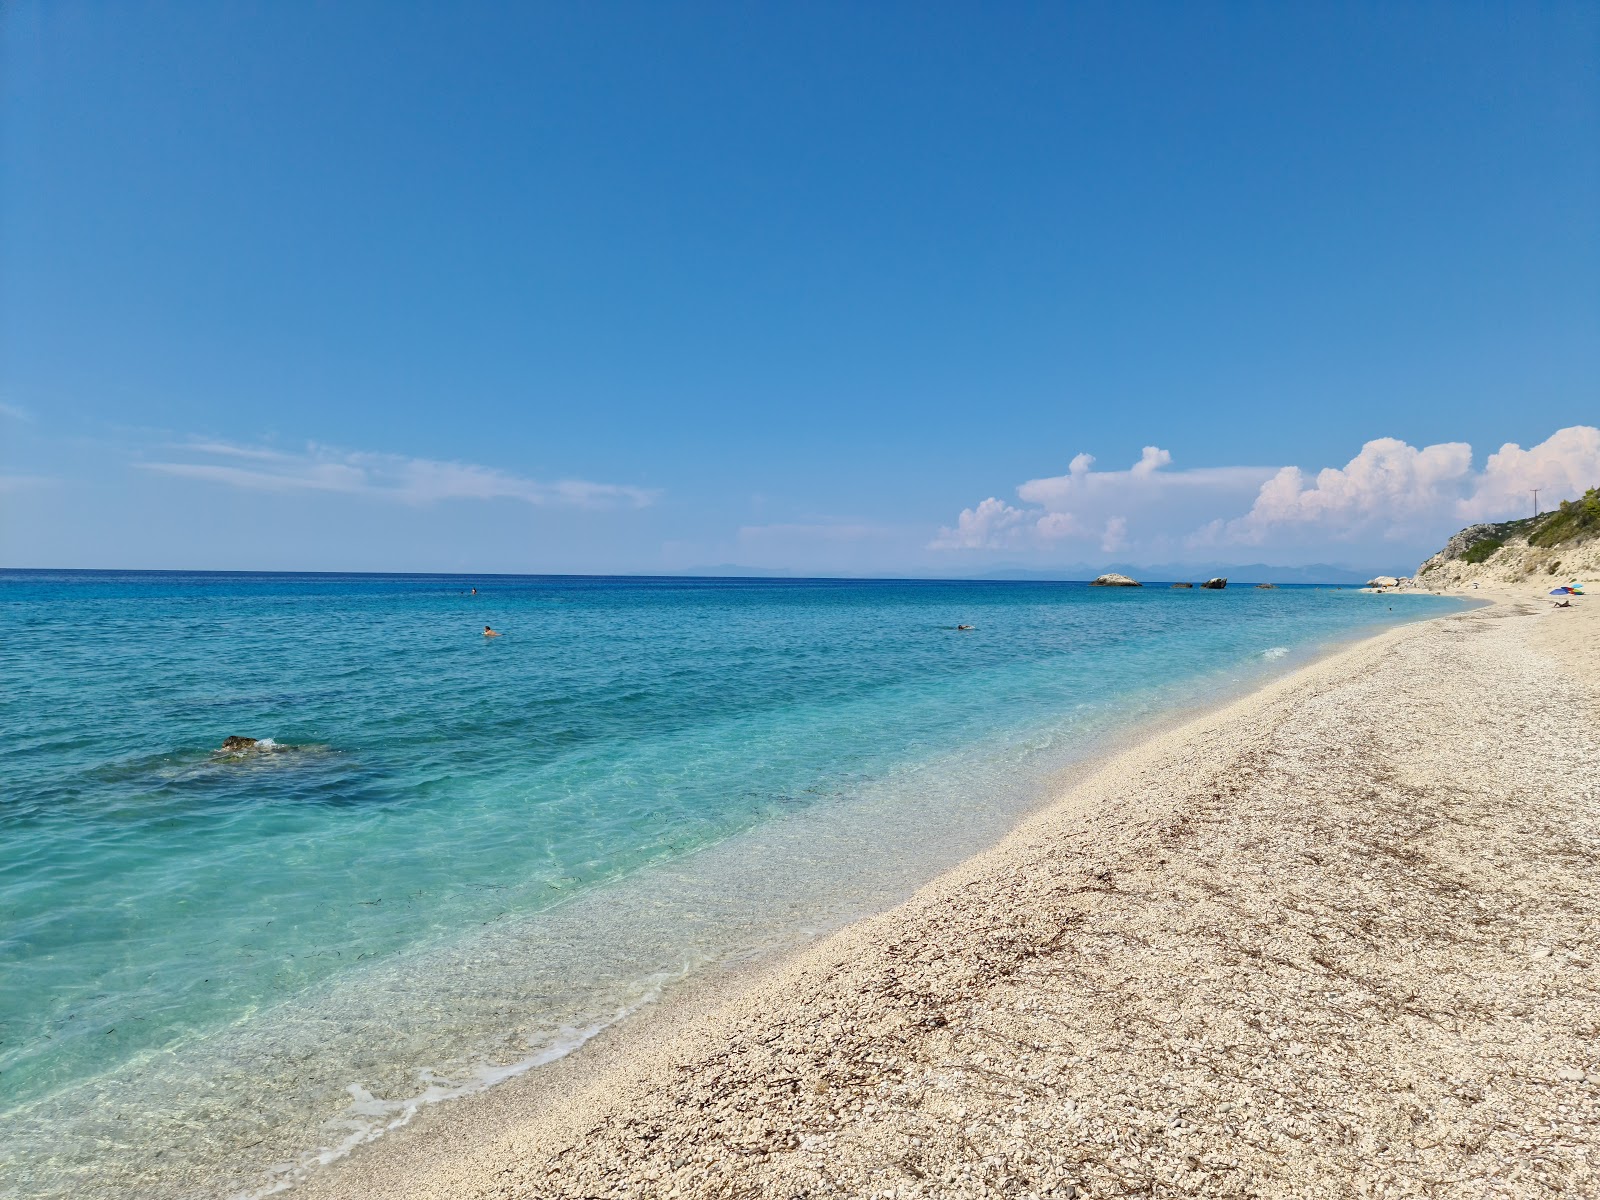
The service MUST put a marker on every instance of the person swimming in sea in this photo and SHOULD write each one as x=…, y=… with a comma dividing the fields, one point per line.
x=487, y=632
x=963, y=626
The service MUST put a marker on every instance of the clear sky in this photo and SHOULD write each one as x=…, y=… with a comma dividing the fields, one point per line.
x=827, y=287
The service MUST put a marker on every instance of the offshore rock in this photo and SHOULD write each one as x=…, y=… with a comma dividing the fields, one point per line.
x=235, y=745
x=1112, y=579
x=1183, y=585
x=1267, y=586
x=1216, y=584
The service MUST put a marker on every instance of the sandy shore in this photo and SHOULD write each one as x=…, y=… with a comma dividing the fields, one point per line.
x=1336, y=939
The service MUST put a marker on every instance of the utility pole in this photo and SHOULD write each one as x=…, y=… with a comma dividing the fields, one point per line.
x=1536, y=502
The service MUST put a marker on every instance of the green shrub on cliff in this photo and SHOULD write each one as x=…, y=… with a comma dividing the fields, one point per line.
x=1575, y=520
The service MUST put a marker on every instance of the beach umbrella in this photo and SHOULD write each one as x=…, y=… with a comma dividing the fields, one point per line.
x=1561, y=591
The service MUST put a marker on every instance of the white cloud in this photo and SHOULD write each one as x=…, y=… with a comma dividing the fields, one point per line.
x=229, y=450
x=1098, y=505
x=1390, y=492
x=389, y=477
x=992, y=523
x=1562, y=467
x=1393, y=489
x=1057, y=525
x=15, y=412
x=1083, y=485
x=18, y=483
x=1389, y=484
x=1151, y=460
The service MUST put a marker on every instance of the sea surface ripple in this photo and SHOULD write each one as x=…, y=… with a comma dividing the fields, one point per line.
x=461, y=856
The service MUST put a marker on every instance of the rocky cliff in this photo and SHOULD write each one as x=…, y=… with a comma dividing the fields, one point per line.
x=1558, y=546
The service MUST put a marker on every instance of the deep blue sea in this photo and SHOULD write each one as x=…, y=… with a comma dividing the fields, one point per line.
x=461, y=856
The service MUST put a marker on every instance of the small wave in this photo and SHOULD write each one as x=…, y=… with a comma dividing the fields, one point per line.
x=1275, y=652
x=369, y=1117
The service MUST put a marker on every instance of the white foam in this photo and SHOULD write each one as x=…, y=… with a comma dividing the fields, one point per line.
x=1275, y=652
x=370, y=1117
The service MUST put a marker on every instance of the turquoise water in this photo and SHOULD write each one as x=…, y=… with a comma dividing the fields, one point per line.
x=465, y=854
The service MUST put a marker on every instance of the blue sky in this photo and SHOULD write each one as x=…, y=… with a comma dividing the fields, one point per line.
x=825, y=287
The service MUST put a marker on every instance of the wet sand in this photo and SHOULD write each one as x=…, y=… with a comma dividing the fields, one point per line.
x=1337, y=938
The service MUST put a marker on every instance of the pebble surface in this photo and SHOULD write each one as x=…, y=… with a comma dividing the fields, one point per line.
x=1338, y=939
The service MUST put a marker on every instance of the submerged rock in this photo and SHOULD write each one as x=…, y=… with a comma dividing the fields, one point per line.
x=1270, y=586
x=1183, y=585
x=1216, y=584
x=234, y=747
x=1112, y=579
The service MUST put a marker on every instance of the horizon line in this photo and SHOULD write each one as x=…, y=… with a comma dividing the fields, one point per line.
x=775, y=576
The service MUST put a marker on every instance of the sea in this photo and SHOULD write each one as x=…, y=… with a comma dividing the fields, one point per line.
x=451, y=858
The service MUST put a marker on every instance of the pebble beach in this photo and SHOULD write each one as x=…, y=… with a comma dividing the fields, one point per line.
x=1334, y=939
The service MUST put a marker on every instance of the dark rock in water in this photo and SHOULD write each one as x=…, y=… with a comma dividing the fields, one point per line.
x=233, y=745
x=1183, y=585
x=1216, y=584
x=1269, y=586
x=1114, y=580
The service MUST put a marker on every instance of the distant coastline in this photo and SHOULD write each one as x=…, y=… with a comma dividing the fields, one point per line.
x=1319, y=575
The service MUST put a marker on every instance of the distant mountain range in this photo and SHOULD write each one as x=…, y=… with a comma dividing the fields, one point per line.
x=1080, y=572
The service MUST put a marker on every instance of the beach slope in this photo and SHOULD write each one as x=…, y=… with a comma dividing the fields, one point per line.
x=1336, y=939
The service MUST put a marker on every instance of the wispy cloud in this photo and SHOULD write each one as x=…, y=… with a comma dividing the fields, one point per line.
x=19, y=483
x=15, y=412
x=815, y=531
x=392, y=477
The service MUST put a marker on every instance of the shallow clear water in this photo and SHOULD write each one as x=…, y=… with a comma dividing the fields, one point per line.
x=465, y=854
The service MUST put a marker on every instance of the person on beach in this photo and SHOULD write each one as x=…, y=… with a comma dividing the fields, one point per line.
x=487, y=632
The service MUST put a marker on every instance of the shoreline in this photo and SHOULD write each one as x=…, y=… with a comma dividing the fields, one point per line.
x=508, y=1140
x=280, y=1093
x=678, y=1001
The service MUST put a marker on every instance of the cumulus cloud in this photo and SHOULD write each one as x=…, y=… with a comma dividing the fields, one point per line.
x=1388, y=483
x=1103, y=506
x=1057, y=525
x=1393, y=489
x=991, y=524
x=1562, y=467
x=391, y=477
